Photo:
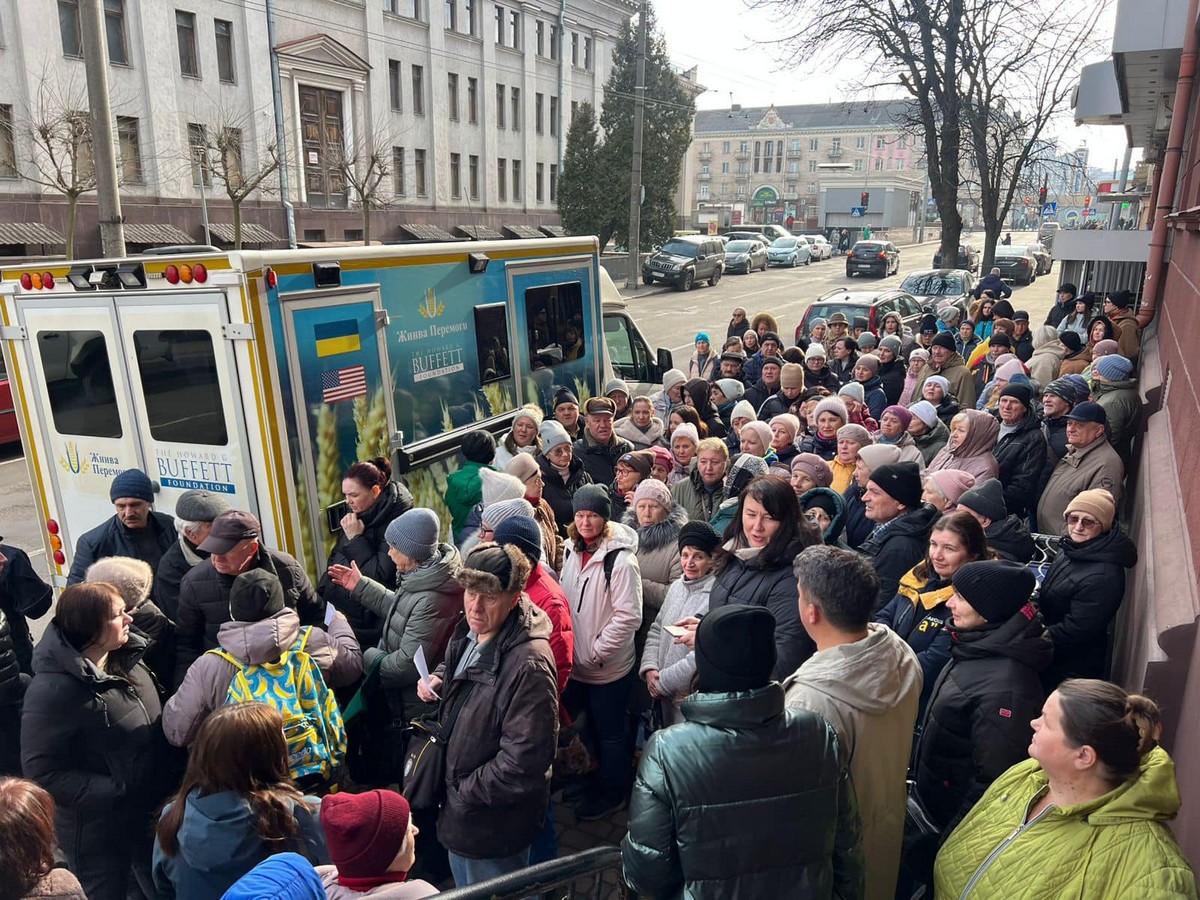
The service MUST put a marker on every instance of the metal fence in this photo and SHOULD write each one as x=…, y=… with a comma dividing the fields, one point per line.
x=580, y=875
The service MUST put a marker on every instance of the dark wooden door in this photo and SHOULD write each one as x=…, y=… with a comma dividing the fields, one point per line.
x=323, y=147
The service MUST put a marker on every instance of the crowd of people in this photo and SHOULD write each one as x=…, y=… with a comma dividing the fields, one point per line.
x=830, y=619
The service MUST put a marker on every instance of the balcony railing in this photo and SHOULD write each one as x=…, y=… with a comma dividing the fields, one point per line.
x=741, y=154
x=794, y=154
x=705, y=176
x=741, y=176
x=834, y=152
x=705, y=156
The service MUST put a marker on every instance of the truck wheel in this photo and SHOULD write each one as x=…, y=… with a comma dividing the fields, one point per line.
x=685, y=283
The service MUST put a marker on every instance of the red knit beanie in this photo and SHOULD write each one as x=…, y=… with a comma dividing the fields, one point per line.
x=364, y=832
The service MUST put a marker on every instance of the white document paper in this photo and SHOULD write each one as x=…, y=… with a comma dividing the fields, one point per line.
x=423, y=671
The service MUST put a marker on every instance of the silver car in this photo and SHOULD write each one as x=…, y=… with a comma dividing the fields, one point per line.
x=789, y=251
x=745, y=256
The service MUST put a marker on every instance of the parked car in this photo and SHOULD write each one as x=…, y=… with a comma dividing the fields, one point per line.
x=821, y=247
x=746, y=236
x=745, y=256
x=934, y=287
x=683, y=261
x=9, y=431
x=764, y=233
x=968, y=258
x=1046, y=233
x=874, y=305
x=789, y=251
x=1016, y=263
x=1045, y=262
x=880, y=258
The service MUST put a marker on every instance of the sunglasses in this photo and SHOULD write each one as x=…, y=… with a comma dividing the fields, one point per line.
x=1082, y=521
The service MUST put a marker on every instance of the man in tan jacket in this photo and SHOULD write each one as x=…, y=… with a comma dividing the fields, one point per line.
x=1091, y=462
x=1125, y=324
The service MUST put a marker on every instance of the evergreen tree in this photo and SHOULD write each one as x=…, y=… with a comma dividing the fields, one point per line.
x=580, y=184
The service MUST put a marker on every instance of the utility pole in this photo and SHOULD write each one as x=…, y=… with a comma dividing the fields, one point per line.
x=95, y=66
x=289, y=212
x=633, y=274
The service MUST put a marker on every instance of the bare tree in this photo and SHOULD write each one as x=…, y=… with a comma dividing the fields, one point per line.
x=218, y=151
x=366, y=165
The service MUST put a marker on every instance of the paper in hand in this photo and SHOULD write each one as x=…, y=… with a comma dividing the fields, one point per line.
x=423, y=671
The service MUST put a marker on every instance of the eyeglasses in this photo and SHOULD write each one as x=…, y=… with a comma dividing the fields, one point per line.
x=536, y=476
x=1082, y=521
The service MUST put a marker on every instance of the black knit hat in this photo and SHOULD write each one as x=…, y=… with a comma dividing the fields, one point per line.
x=700, y=535
x=946, y=340
x=1120, y=299
x=255, y=595
x=522, y=532
x=1022, y=392
x=820, y=499
x=1002, y=310
x=772, y=336
x=592, y=498
x=901, y=481
x=479, y=447
x=564, y=395
x=987, y=499
x=1000, y=339
x=996, y=589
x=928, y=324
x=1071, y=341
x=1062, y=389
x=735, y=649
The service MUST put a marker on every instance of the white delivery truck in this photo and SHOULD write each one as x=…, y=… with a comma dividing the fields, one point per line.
x=263, y=375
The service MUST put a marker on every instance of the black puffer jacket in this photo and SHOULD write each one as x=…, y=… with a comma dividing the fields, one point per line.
x=858, y=526
x=744, y=580
x=1011, y=539
x=558, y=491
x=822, y=379
x=775, y=405
x=1079, y=598
x=898, y=547
x=788, y=826
x=1021, y=454
x=825, y=448
x=112, y=538
x=94, y=740
x=12, y=679
x=500, y=753
x=204, y=603
x=23, y=594
x=600, y=460
x=891, y=375
x=370, y=551
x=176, y=563
x=977, y=722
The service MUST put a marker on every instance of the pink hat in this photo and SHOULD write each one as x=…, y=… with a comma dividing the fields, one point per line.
x=952, y=483
x=662, y=457
x=654, y=491
x=1009, y=369
x=1106, y=347
x=762, y=430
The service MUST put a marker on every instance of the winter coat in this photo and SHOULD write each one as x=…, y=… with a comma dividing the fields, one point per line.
x=822, y=379
x=919, y=615
x=775, y=405
x=503, y=457
x=993, y=283
x=219, y=843
x=746, y=580
x=695, y=499
x=552, y=542
x=867, y=690
x=1115, y=847
x=909, y=451
x=600, y=460
x=464, y=489
x=499, y=756
x=420, y=613
x=703, y=368
x=93, y=739
x=1073, y=322
x=965, y=348
x=204, y=603
x=1010, y=538
x=112, y=538
x=724, y=515
x=1058, y=311
x=1055, y=432
x=544, y=592
x=1020, y=456
x=638, y=439
x=976, y=724
x=897, y=546
x=1128, y=335
x=415, y=889
x=1045, y=363
x=1022, y=346
x=891, y=379
x=370, y=551
x=782, y=788
x=875, y=396
x=1095, y=466
x=1122, y=406
x=858, y=526
x=947, y=410
x=57, y=884
x=758, y=391
x=23, y=594
x=974, y=454
x=1079, y=599
x=843, y=475
x=206, y=684
x=955, y=371
x=933, y=441
x=558, y=491
x=1077, y=364
x=837, y=523
x=12, y=680
x=675, y=663
x=824, y=447
x=658, y=557
x=180, y=559
x=843, y=370
x=605, y=617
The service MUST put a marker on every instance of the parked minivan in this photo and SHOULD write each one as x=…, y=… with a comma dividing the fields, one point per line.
x=768, y=232
x=682, y=261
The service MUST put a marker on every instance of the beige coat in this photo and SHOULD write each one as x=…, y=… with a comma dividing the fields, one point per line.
x=1095, y=466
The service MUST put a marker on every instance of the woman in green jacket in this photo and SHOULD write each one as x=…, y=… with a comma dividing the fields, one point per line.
x=1085, y=817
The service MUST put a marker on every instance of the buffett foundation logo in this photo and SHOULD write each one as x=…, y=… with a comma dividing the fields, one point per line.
x=72, y=460
x=432, y=307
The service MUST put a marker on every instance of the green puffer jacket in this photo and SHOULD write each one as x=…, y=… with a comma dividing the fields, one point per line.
x=1115, y=848
x=744, y=799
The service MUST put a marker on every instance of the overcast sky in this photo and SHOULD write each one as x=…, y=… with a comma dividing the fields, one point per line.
x=737, y=64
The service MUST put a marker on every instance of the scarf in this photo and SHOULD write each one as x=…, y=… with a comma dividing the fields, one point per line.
x=364, y=884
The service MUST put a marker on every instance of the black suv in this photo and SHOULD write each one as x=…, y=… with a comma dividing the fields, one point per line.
x=682, y=261
x=968, y=258
x=880, y=258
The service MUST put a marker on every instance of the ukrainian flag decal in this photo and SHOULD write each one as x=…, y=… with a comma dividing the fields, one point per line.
x=337, y=337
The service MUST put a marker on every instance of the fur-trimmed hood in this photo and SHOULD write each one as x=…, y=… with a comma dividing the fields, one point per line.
x=492, y=568
x=660, y=534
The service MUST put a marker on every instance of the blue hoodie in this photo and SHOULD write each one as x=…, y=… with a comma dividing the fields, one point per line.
x=284, y=876
x=218, y=844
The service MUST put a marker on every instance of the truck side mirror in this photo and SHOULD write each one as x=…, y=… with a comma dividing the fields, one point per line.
x=664, y=361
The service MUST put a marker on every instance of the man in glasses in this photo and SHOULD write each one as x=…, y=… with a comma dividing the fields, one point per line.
x=1091, y=462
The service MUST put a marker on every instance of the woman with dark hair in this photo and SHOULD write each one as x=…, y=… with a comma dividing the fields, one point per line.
x=1078, y=318
x=373, y=501
x=236, y=806
x=1085, y=816
x=845, y=358
x=766, y=533
x=92, y=736
x=679, y=416
x=919, y=612
x=27, y=846
x=696, y=394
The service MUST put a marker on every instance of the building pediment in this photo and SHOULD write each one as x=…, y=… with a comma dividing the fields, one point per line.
x=771, y=120
x=322, y=51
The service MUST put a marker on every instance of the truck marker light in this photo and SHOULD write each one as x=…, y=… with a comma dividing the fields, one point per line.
x=171, y=274
x=27, y=281
x=199, y=273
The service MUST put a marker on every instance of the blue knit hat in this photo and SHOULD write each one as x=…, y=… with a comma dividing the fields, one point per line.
x=524, y=533
x=702, y=336
x=132, y=483
x=415, y=534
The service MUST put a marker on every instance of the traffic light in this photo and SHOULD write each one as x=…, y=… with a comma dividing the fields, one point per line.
x=1042, y=196
x=866, y=199
x=1087, y=201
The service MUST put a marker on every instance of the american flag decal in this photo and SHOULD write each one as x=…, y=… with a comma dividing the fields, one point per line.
x=343, y=384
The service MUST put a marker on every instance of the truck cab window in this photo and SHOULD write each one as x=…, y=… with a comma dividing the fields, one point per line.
x=178, y=371
x=554, y=314
x=630, y=356
x=79, y=382
x=491, y=343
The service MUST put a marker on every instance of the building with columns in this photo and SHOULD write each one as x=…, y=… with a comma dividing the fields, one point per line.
x=466, y=103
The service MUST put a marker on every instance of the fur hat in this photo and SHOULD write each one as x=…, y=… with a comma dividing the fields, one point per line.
x=132, y=577
x=654, y=491
x=492, y=568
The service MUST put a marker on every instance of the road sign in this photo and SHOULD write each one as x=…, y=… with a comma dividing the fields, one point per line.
x=1050, y=209
x=856, y=212
x=1072, y=216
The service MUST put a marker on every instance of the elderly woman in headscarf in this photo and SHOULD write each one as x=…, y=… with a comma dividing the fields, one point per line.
x=916, y=362
x=942, y=489
x=743, y=470
x=1048, y=354
x=893, y=429
x=973, y=434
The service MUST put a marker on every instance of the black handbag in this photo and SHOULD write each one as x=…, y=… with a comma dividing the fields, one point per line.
x=916, y=818
x=424, y=775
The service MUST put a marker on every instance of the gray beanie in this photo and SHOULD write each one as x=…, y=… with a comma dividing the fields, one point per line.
x=593, y=498
x=496, y=486
x=891, y=342
x=496, y=513
x=415, y=534
x=552, y=433
x=731, y=388
x=200, y=506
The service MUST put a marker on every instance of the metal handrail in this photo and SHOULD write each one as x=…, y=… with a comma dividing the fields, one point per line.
x=546, y=877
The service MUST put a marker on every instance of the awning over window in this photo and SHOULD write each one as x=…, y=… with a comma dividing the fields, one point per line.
x=251, y=233
x=29, y=233
x=523, y=231
x=481, y=233
x=155, y=234
x=426, y=232
x=554, y=231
